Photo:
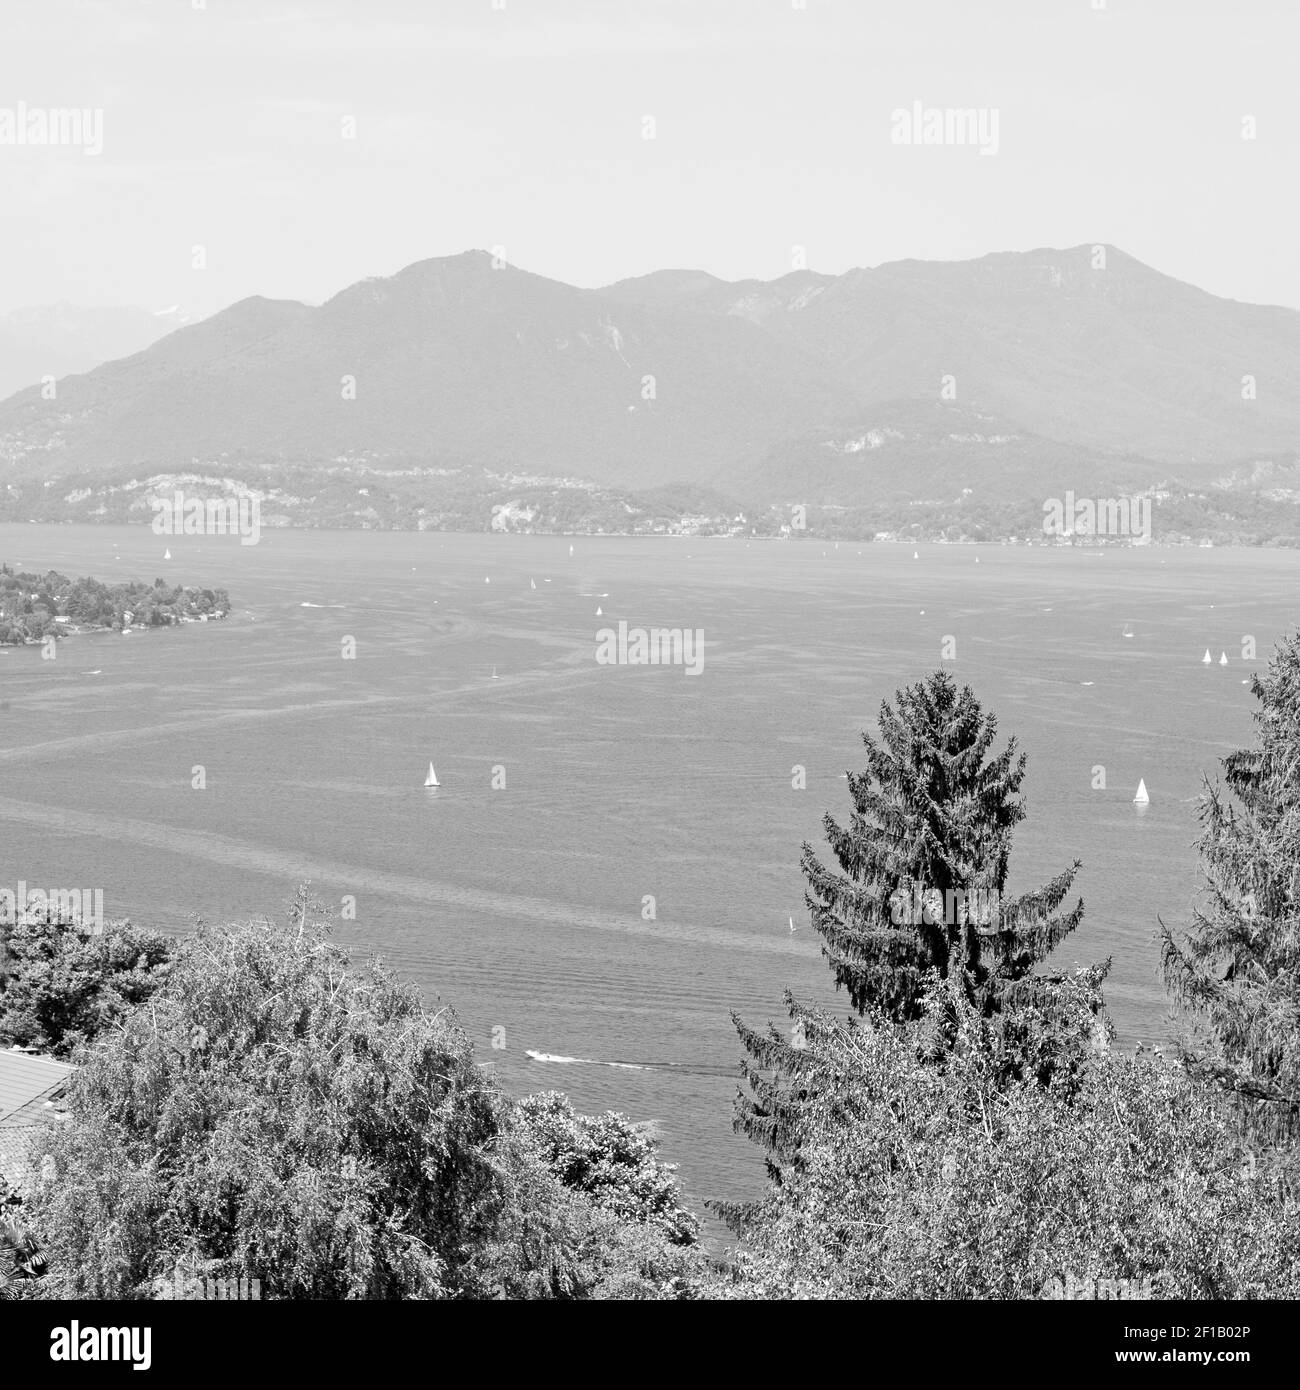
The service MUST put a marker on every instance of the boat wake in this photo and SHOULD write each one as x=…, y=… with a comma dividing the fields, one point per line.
x=584, y=1061
x=686, y=1068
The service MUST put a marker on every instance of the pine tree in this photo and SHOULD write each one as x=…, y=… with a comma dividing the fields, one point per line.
x=933, y=816
x=1234, y=976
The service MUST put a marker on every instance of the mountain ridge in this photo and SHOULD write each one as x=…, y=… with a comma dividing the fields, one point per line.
x=1095, y=373
x=63, y=339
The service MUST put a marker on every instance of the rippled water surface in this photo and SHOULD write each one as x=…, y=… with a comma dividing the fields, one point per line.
x=524, y=905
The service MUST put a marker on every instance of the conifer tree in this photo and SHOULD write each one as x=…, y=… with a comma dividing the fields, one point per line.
x=933, y=815
x=1234, y=976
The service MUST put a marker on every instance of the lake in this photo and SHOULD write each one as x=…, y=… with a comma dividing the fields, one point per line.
x=574, y=792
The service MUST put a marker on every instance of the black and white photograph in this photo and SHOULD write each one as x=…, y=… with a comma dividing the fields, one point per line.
x=649, y=653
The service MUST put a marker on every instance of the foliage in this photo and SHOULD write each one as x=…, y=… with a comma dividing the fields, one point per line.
x=62, y=983
x=21, y=1259
x=554, y=1241
x=31, y=603
x=274, y=1114
x=931, y=812
x=1235, y=973
x=939, y=1180
x=612, y=1161
x=933, y=818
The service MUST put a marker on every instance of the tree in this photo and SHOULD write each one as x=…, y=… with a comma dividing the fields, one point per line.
x=62, y=983
x=1234, y=974
x=941, y=1181
x=612, y=1161
x=275, y=1113
x=933, y=818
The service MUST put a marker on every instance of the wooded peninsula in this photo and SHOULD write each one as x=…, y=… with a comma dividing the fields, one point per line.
x=35, y=606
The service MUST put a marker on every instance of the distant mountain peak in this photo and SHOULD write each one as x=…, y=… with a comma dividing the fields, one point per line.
x=64, y=339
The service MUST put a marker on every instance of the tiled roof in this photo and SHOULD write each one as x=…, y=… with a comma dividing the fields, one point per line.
x=24, y=1079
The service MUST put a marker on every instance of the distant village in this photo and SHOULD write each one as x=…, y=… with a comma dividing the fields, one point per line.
x=370, y=494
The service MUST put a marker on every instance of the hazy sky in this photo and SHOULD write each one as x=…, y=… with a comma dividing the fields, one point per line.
x=522, y=127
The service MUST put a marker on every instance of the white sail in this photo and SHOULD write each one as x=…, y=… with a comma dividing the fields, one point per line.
x=1207, y=658
x=599, y=614
x=1223, y=658
x=916, y=555
x=1141, y=798
x=432, y=779
x=167, y=555
x=533, y=583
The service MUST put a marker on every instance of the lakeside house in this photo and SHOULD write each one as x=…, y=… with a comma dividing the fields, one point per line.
x=31, y=1088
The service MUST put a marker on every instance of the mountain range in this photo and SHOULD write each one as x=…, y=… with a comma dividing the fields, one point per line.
x=1004, y=379
x=61, y=340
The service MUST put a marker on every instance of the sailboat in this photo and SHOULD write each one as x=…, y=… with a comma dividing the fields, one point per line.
x=1128, y=629
x=494, y=673
x=1223, y=658
x=916, y=555
x=1207, y=658
x=432, y=779
x=1141, y=798
x=167, y=555
x=532, y=583
x=599, y=614
x=792, y=924
x=570, y=551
